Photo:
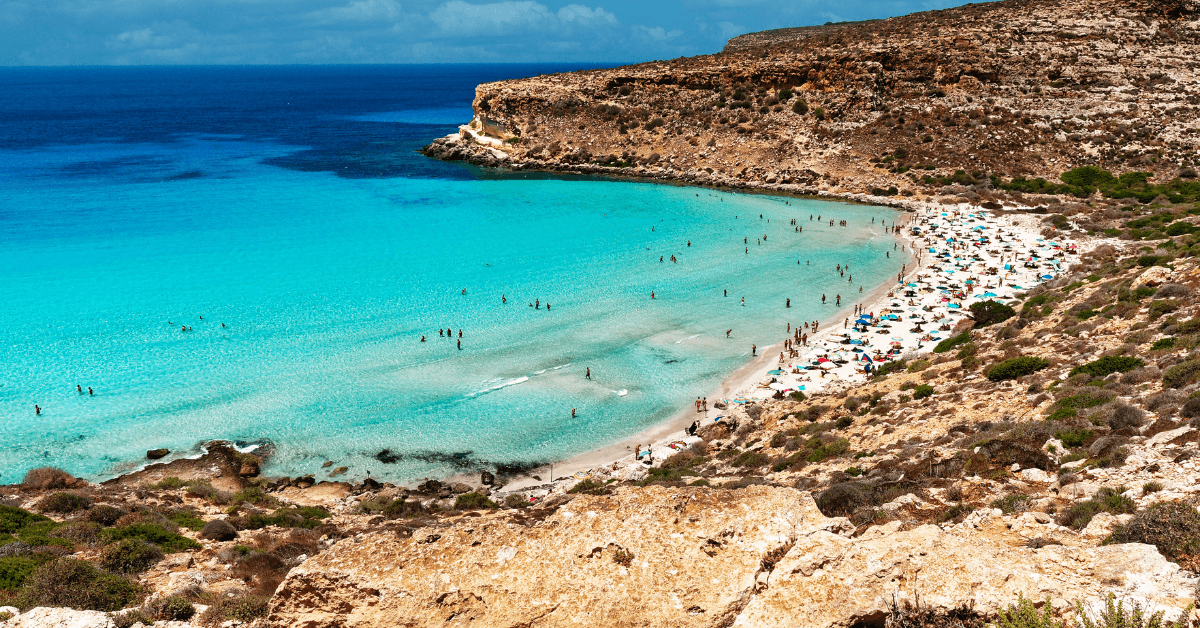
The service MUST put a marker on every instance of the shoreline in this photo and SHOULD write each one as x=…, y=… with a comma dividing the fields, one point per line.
x=749, y=374
x=746, y=375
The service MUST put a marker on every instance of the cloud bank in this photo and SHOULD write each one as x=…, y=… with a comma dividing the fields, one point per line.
x=156, y=32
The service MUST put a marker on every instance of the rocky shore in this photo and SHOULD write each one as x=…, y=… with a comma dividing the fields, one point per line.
x=1043, y=451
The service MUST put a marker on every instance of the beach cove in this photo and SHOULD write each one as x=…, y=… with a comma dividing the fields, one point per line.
x=315, y=289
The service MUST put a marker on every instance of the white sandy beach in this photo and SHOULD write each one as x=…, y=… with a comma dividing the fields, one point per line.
x=958, y=255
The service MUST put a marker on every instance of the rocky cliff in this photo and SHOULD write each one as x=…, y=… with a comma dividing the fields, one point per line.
x=1019, y=88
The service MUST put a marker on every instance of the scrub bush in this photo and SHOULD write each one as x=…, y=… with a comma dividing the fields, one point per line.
x=1016, y=367
x=1109, y=364
x=76, y=584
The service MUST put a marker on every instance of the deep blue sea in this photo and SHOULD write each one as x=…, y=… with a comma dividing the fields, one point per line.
x=283, y=217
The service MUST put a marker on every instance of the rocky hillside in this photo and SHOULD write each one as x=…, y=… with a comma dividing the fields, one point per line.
x=946, y=104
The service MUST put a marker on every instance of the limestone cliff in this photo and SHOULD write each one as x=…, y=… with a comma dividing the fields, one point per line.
x=1014, y=88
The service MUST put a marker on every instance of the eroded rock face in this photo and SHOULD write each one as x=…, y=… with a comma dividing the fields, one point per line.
x=828, y=580
x=648, y=557
x=43, y=617
x=760, y=556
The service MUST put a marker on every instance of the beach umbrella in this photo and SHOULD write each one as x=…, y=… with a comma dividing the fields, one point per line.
x=775, y=372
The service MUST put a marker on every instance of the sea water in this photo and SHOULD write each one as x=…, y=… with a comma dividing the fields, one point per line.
x=255, y=254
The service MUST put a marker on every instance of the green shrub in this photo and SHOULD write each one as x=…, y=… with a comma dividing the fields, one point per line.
x=130, y=556
x=254, y=495
x=991, y=312
x=15, y=569
x=922, y=391
x=917, y=366
x=1016, y=367
x=1025, y=615
x=853, y=471
x=1109, y=364
x=1152, y=487
x=797, y=395
x=105, y=514
x=64, y=503
x=171, y=608
x=832, y=449
x=13, y=519
x=1163, y=343
x=1172, y=527
x=1117, y=616
x=244, y=609
x=168, y=541
x=474, y=501
x=1012, y=503
x=1162, y=306
x=1182, y=374
x=130, y=618
x=169, y=483
x=800, y=107
x=890, y=367
x=844, y=422
x=186, y=519
x=306, y=517
x=76, y=584
x=1074, y=438
x=952, y=342
x=589, y=487
x=751, y=459
x=1105, y=500
x=819, y=113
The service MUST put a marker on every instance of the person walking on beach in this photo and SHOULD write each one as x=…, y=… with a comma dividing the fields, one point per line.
x=704, y=404
x=697, y=404
x=588, y=374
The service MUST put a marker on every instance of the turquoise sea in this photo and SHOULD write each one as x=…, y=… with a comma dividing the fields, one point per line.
x=283, y=217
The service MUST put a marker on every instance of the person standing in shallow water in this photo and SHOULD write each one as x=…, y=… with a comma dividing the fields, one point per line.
x=753, y=350
x=588, y=374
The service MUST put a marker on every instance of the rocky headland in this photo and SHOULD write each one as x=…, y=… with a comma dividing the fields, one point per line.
x=1042, y=456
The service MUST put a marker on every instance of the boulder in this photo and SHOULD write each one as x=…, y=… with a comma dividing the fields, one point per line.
x=155, y=454
x=486, y=478
x=44, y=617
x=250, y=467
x=1155, y=276
x=1034, y=475
x=219, y=530
x=459, y=488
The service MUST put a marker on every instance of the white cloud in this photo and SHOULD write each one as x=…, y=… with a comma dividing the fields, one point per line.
x=729, y=29
x=580, y=13
x=360, y=11
x=457, y=16
x=659, y=33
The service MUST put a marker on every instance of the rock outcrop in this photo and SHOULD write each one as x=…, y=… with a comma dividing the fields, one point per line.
x=760, y=556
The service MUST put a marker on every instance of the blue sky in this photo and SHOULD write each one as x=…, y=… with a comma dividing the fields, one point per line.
x=168, y=32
